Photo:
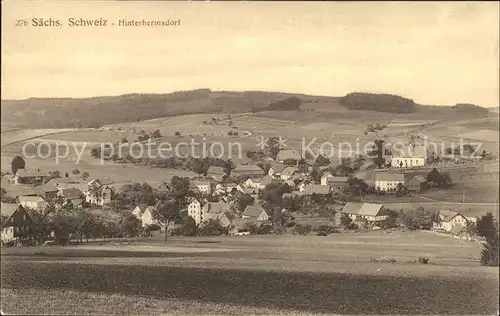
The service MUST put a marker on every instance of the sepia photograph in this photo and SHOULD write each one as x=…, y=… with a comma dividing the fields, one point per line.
x=249, y=158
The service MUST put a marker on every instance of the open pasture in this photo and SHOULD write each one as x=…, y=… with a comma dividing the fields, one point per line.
x=19, y=135
x=270, y=275
x=120, y=173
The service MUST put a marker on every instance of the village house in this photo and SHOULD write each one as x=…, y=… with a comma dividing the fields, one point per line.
x=288, y=172
x=255, y=212
x=18, y=191
x=446, y=220
x=461, y=232
x=224, y=188
x=338, y=184
x=213, y=211
x=226, y=219
x=216, y=173
x=254, y=193
x=99, y=192
x=302, y=185
x=164, y=187
x=411, y=156
x=267, y=180
x=276, y=170
x=47, y=191
x=73, y=196
x=194, y=210
x=32, y=202
x=286, y=155
x=370, y=212
x=203, y=186
x=253, y=183
x=415, y=183
x=145, y=213
x=105, y=181
x=16, y=222
x=388, y=182
x=33, y=177
x=69, y=182
x=316, y=189
x=325, y=177
x=240, y=225
x=248, y=170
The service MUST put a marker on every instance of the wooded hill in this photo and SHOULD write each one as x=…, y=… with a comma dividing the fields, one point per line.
x=98, y=111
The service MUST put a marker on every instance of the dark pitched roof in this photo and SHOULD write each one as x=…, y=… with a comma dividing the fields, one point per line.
x=248, y=168
x=370, y=209
x=286, y=154
x=216, y=208
x=447, y=215
x=316, y=189
x=230, y=216
x=253, y=211
x=30, y=173
x=278, y=168
x=47, y=187
x=7, y=209
x=419, y=178
x=457, y=229
x=72, y=193
x=28, y=198
x=289, y=171
x=105, y=181
x=389, y=177
x=216, y=170
x=337, y=179
x=352, y=208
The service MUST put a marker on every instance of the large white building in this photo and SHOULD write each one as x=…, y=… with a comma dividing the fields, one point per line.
x=409, y=157
x=388, y=182
x=194, y=210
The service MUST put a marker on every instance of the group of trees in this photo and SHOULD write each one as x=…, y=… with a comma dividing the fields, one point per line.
x=144, y=136
x=201, y=165
x=487, y=227
x=287, y=104
x=374, y=127
x=378, y=102
x=439, y=179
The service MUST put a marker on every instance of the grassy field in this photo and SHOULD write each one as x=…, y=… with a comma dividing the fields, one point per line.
x=269, y=275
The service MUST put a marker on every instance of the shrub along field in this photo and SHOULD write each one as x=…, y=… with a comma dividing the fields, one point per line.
x=340, y=274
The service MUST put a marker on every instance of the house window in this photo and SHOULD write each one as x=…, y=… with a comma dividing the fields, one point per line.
x=24, y=217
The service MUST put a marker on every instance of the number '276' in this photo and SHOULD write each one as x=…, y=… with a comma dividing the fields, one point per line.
x=21, y=23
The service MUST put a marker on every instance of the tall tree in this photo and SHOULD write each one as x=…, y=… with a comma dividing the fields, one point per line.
x=487, y=227
x=273, y=147
x=166, y=212
x=377, y=153
x=130, y=226
x=17, y=163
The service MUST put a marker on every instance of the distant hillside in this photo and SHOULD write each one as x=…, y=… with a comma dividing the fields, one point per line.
x=378, y=102
x=287, y=104
x=98, y=111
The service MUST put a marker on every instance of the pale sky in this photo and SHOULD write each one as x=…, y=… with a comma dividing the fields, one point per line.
x=435, y=53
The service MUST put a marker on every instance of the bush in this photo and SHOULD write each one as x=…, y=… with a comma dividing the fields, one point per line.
x=321, y=233
x=423, y=260
x=489, y=253
x=302, y=229
x=264, y=229
x=328, y=229
x=154, y=227
x=212, y=228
